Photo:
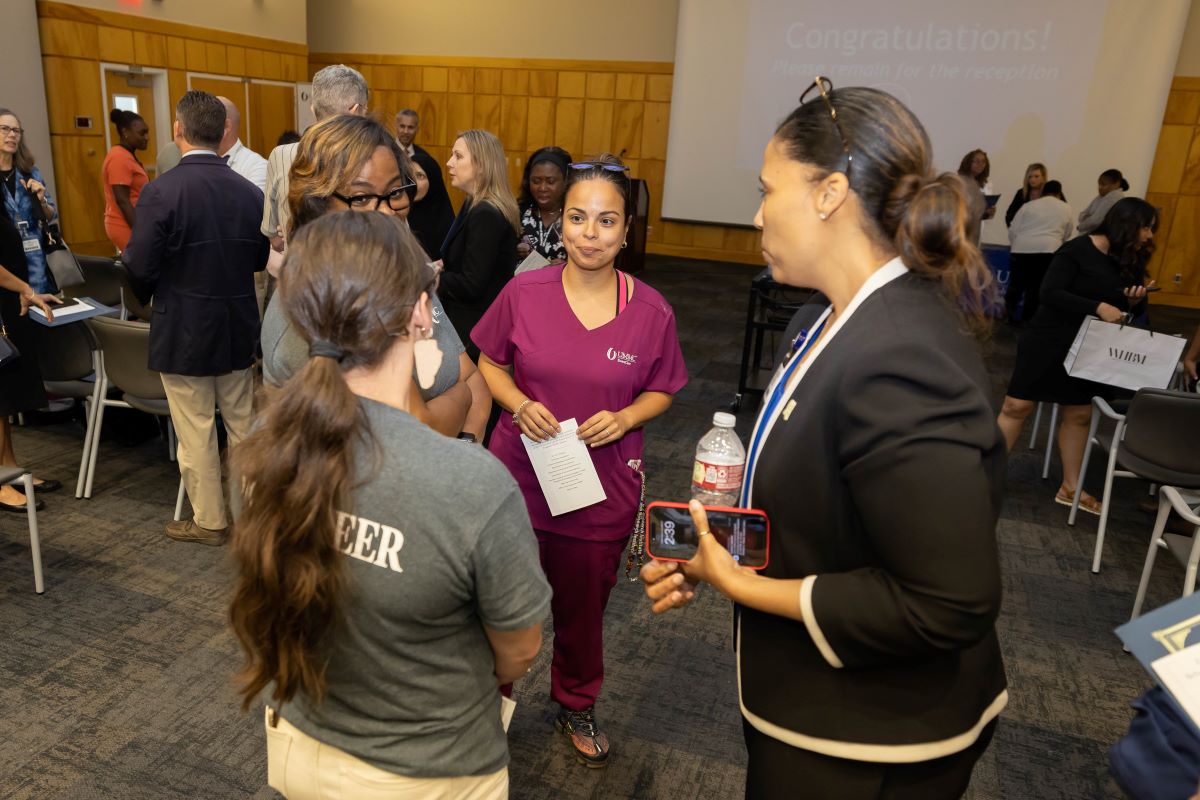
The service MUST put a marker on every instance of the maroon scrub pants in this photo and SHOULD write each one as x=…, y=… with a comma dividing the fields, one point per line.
x=582, y=574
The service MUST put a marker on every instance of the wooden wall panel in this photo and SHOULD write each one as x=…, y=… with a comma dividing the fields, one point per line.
x=75, y=40
x=73, y=89
x=77, y=162
x=585, y=107
x=1174, y=187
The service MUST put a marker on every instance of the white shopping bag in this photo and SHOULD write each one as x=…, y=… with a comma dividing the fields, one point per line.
x=1119, y=355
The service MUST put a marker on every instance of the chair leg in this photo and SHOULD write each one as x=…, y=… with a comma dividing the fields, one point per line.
x=35, y=543
x=1104, y=504
x=1160, y=524
x=95, y=449
x=94, y=404
x=1050, y=441
x=1037, y=422
x=179, y=500
x=1189, y=576
x=1087, y=455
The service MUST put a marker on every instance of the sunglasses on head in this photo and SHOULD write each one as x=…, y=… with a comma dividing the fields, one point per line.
x=598, y=165
x=825, y=86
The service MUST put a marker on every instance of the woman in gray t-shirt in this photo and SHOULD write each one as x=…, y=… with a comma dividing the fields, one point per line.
x=387, y=577
x=352, y=163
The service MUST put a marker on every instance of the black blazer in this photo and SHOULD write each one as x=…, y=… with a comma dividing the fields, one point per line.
x=430, y=219
x=478, y=258
x=195, y=248
x=885, y=482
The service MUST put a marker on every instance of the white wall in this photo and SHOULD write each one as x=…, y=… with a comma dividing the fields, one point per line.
x=271, y=19
x=616, y=30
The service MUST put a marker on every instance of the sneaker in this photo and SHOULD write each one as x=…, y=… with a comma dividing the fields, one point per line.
x=590, y=743
x=188, y=531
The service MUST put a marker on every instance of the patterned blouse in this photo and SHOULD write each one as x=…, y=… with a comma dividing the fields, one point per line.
x=547, y=241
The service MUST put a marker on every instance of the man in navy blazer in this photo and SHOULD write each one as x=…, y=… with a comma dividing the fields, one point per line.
x=195, y=248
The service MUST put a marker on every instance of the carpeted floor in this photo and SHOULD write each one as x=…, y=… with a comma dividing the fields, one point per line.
x=116, y=682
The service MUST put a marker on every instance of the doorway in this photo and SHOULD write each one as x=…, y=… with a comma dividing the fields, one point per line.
x=133, y=91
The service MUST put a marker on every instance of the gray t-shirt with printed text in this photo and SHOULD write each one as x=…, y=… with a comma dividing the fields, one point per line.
x=437, y=544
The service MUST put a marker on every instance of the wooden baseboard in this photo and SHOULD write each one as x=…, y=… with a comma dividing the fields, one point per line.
x=703, y=253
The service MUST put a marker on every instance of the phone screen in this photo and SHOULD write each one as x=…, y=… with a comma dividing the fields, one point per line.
x=672, y=534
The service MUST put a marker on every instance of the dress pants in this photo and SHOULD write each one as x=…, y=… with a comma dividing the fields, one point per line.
x=303, y=768
x=778, y=771
x=194, y=402
x=582, y=574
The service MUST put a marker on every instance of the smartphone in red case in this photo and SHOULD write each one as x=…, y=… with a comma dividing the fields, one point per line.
x=672, y=536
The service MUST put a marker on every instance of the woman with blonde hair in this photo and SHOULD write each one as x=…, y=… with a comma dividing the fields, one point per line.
x=479, y=254
x=376, y=625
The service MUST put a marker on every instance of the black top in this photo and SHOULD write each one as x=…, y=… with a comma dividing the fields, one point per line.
x=431, y=217
x=478, y=259
x=195, y=247
x=20, y=381
x=546, y=240
x=885, y=481
x=1015, y=206
x=1078, y=279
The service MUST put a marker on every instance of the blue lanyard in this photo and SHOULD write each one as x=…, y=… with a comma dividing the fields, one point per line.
x=800, y=346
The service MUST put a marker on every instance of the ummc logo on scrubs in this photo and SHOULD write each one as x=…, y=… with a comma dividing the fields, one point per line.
x=620, y=357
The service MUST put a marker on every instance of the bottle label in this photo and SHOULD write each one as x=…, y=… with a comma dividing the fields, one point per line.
x=717, y=477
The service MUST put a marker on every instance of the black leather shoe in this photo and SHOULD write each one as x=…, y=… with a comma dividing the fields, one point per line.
x=21, y=508
x=40, y=488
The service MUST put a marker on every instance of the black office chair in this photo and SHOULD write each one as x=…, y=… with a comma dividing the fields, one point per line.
x=1162, y=445
x=771, y=307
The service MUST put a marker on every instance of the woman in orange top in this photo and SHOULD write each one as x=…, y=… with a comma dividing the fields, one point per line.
x=124, y=176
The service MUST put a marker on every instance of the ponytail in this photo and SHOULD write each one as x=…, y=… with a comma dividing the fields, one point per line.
x=926, y=219
x=288, y=600
x=349, y=286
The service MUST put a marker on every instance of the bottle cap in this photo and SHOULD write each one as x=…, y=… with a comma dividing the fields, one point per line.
x=723, y=419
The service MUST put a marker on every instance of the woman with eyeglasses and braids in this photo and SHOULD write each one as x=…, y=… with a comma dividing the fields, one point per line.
x=351, y=163
x=387, y=577
x=582, y=342
x=868, y=663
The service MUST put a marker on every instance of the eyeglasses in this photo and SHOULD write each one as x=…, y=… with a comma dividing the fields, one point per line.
x=825, y=86
x=6, y=130
x=598, y=165
x=397, y=199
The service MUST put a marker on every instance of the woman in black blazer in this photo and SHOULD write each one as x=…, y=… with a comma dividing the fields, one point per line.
x=868, y=662
x=480, y=252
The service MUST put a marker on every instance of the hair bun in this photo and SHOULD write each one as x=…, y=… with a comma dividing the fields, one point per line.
x=116, y=116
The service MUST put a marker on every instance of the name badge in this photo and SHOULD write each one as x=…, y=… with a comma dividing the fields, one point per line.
x=31, y=245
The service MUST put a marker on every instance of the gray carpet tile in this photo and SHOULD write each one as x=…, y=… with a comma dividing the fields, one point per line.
x=118, y=682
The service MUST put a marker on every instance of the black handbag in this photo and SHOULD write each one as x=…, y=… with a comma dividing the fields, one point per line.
x=59, y=258
x=8, y=351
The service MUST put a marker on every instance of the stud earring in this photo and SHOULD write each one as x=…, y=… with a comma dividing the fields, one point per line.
x=823, y=215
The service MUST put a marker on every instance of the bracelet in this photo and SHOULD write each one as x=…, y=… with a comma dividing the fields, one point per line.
x=517, y=414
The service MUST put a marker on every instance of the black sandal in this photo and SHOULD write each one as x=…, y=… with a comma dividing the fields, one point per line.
x=21, y=508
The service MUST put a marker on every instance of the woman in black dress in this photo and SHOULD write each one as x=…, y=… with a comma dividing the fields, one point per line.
x=1098, y=274
x=1031, y=189
x=20, y=381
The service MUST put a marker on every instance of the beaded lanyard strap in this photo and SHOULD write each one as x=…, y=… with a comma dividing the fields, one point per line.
x=637, y=542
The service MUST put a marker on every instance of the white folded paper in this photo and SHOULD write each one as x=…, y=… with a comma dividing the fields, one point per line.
x=565, y=470
x=534, y=260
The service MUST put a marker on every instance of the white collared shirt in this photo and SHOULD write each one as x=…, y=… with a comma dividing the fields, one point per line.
x=247, y=163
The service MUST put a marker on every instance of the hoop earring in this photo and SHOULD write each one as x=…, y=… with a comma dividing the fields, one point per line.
x=624, y=245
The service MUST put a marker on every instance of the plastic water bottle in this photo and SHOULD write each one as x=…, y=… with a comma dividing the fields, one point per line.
x=720, y=461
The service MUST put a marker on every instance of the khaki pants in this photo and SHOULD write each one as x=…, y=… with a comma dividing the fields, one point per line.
x=301, y=768
x=194, y=402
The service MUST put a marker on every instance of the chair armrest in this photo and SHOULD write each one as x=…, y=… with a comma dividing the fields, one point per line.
x=1101, y=405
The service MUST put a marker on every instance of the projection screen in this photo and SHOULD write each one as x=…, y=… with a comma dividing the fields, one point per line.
x=1080, y=85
